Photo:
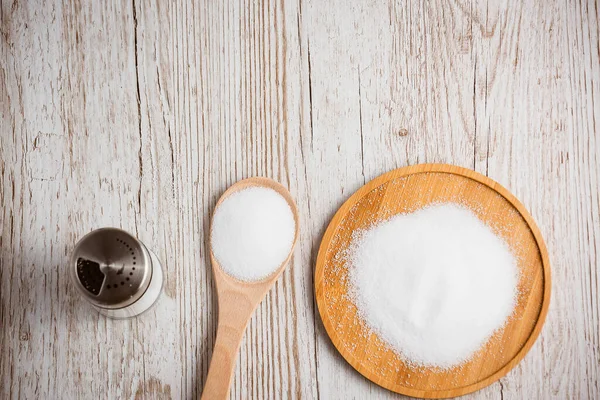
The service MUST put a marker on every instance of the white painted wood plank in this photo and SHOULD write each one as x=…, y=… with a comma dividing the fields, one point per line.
x=139, y=116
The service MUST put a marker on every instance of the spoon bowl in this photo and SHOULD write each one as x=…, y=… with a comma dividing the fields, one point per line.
x=238, y=299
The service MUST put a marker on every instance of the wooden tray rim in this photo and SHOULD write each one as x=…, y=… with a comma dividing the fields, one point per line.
x=411, y=170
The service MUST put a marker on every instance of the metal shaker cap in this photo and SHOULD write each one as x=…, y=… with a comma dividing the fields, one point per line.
x=111, y=268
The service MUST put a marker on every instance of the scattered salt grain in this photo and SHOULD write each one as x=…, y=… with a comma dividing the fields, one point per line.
x=435, y=284
x=252, y=233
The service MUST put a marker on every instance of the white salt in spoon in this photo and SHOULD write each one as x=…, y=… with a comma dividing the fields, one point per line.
x=237, y=300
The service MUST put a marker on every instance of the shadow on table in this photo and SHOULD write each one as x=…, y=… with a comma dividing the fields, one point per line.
x=37, y=302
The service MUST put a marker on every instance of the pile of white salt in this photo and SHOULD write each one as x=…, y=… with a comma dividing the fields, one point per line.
x=252, y=233
x=435, y=285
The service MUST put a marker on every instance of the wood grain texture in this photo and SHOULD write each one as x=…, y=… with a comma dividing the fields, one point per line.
x=139, y=116
x=407, y=190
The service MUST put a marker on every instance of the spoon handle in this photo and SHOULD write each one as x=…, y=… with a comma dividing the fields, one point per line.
x=235, y=310
x=223, y=361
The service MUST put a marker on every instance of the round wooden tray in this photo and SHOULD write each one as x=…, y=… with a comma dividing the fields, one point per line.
x=407, y=190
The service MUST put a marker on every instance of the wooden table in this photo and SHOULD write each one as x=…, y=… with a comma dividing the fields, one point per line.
x=140, y=115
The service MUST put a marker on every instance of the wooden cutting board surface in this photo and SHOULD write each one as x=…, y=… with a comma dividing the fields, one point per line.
x=407, y=190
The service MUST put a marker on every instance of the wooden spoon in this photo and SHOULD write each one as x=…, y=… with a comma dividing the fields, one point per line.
x=237, y=302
